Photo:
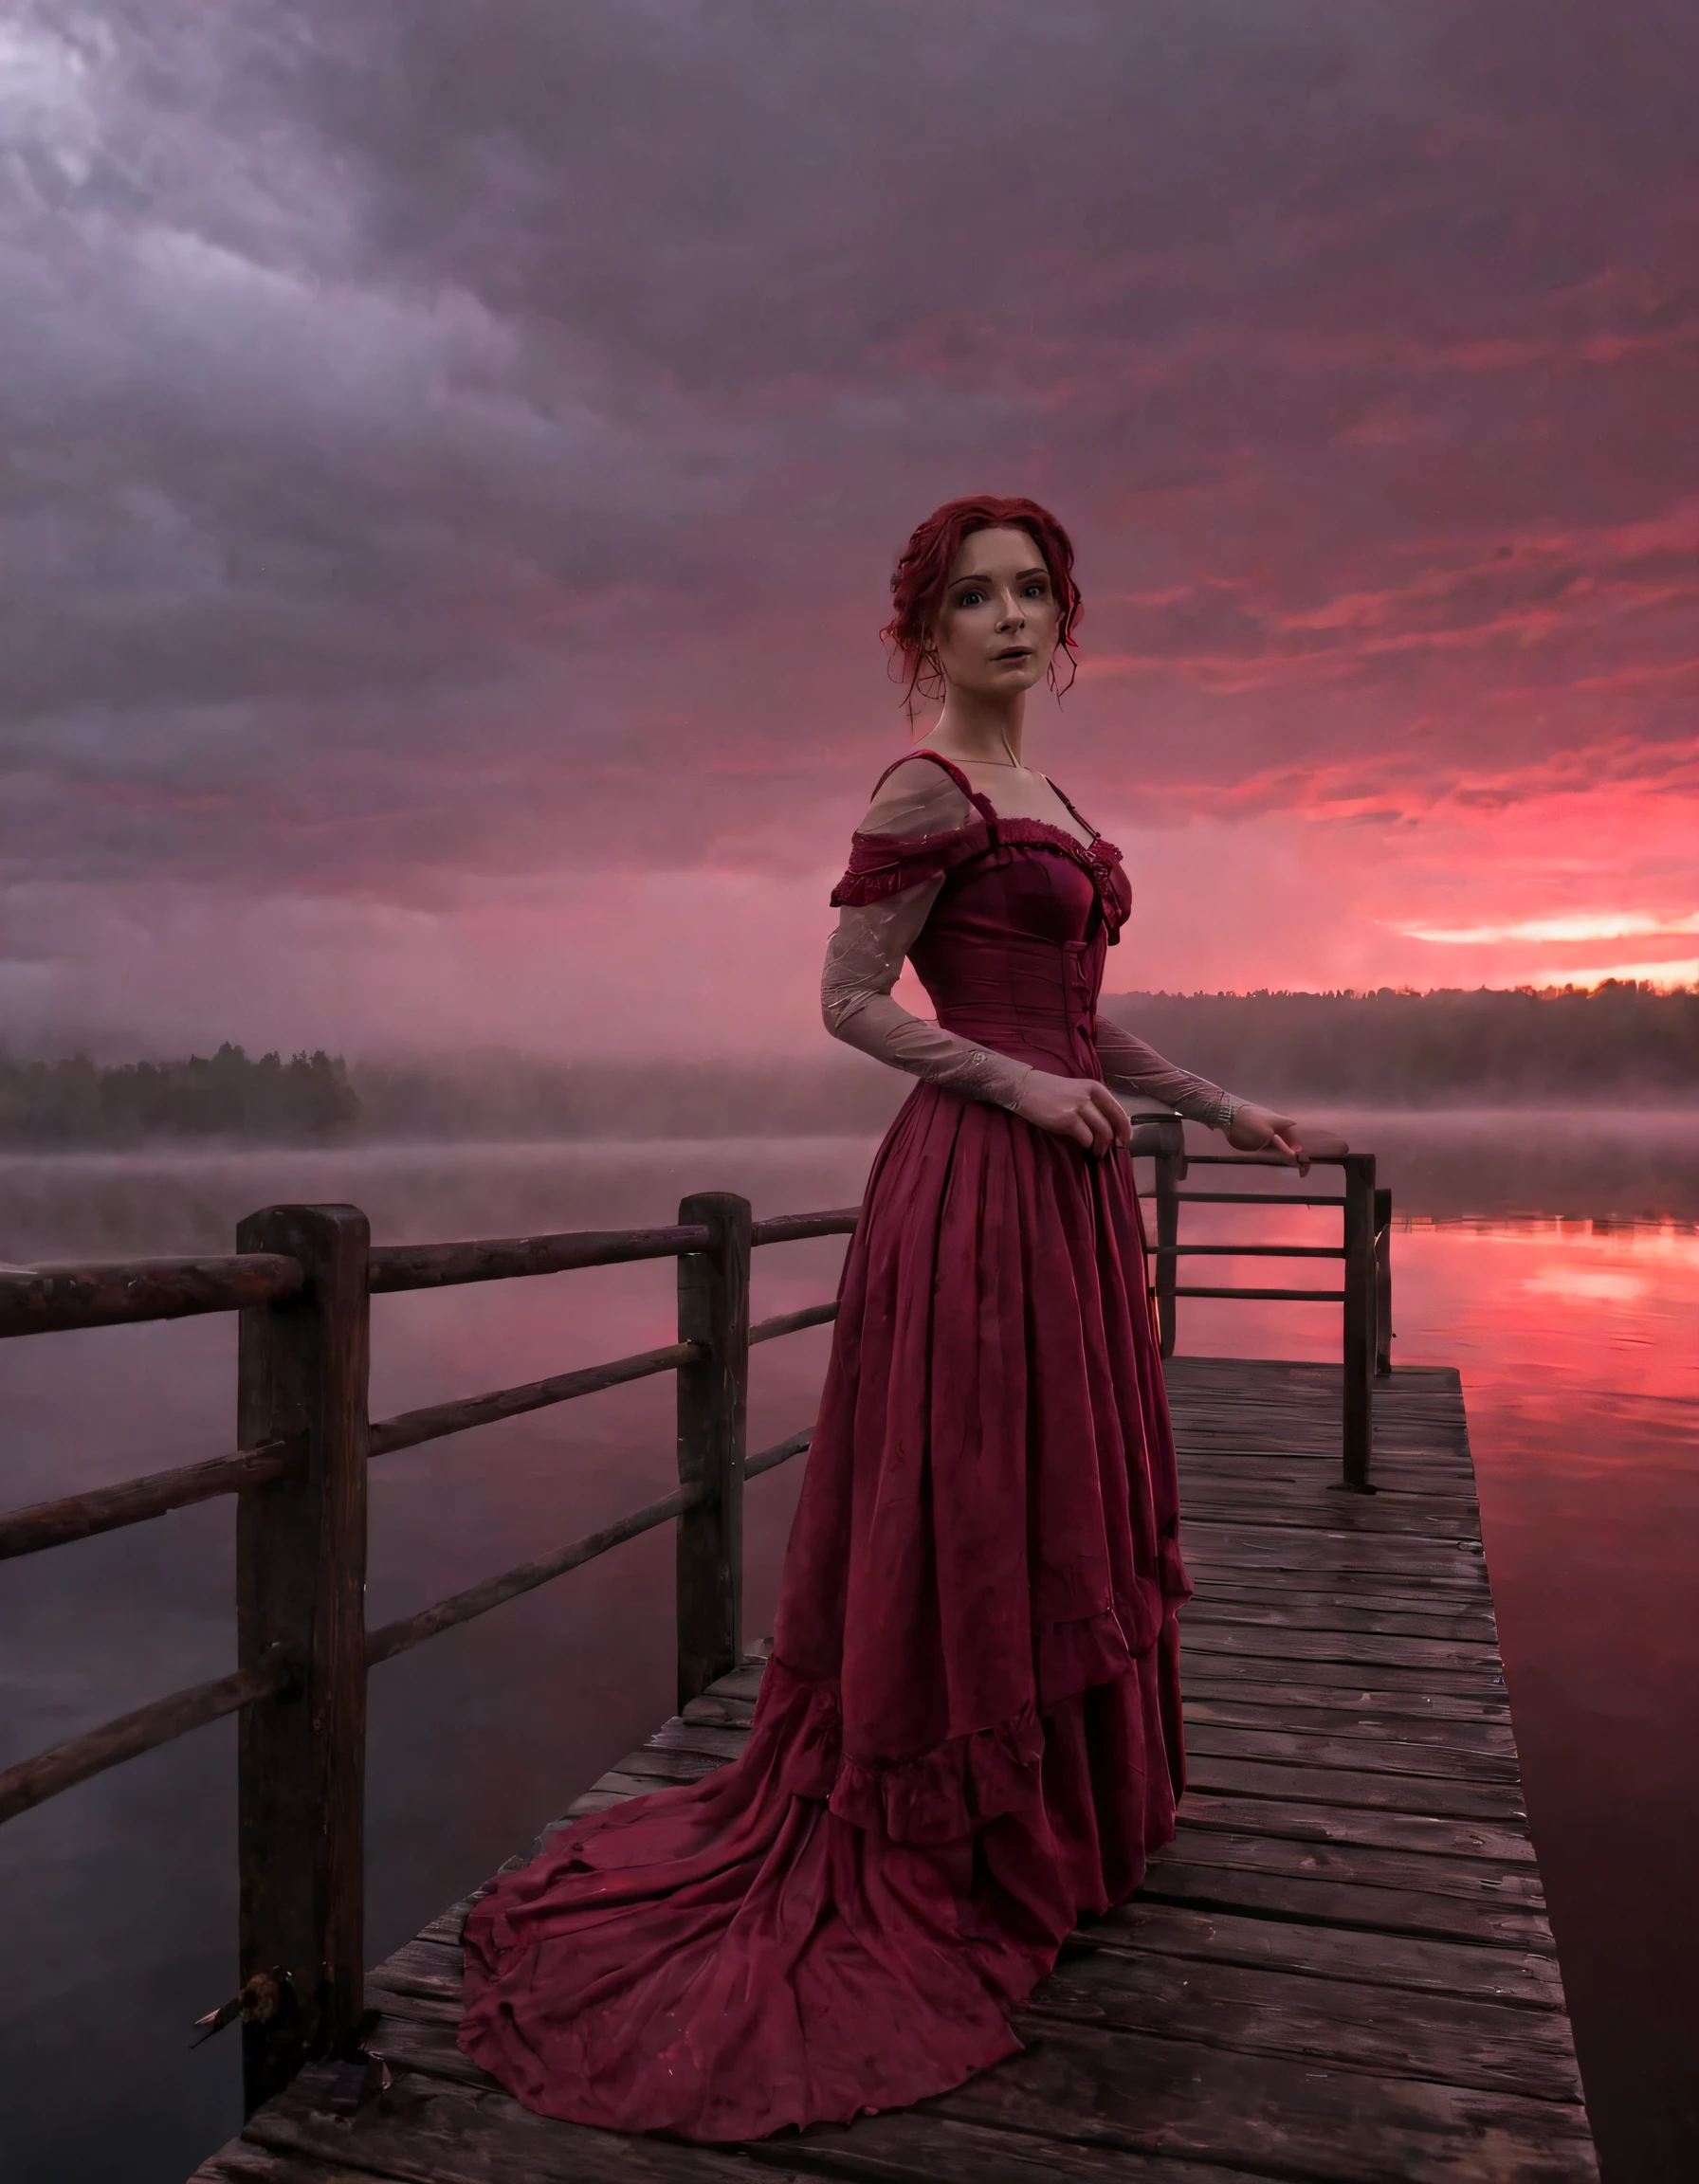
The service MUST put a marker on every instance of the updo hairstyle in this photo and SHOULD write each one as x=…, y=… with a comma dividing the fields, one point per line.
x=922, y=574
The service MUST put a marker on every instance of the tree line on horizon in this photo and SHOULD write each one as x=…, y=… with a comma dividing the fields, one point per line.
x=1616, y=1043
x=228, y=1094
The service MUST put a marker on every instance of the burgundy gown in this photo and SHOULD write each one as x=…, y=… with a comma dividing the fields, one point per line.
x=969, y=1732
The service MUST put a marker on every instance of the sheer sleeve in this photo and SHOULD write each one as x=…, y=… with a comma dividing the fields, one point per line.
x=916, y=799
x=920, y=826
x=1127, y=1061
x=916, y=803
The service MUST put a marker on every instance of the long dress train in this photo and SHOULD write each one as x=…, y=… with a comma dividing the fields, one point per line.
x=969, y=1732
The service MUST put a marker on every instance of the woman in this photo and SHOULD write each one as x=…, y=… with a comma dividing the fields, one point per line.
x=969, y=1732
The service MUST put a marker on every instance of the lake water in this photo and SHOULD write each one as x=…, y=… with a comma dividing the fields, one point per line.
x=1554, y=1258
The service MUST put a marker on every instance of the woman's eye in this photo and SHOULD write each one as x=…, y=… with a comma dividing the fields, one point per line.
x=970, y=599
x=1038, y=590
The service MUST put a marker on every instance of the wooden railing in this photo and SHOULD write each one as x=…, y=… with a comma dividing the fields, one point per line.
x=1365, y=1248
x=301, y=1281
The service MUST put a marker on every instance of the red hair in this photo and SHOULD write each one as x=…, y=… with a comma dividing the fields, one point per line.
x=923, y=571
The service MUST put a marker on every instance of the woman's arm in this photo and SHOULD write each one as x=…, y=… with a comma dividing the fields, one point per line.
x=864, y=960
x=1247, y=1127
x=864, y=957
x=1128, y=1060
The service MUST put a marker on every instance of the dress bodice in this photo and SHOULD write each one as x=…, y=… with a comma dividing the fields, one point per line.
x=1011, y=956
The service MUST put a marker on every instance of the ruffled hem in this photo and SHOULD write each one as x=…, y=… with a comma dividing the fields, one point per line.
x=959, y=1786
x=949, y=1793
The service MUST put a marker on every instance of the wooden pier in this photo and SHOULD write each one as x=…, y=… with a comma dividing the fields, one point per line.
x=1341, y=1970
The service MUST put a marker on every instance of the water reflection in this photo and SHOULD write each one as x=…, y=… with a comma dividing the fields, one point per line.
x=1523, y=1253
x=1575, y=1340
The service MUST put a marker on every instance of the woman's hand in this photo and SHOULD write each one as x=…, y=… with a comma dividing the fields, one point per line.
x=1076, y=1107
x=1261, y=1130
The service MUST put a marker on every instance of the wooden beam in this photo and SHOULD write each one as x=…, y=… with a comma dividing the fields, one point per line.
x=33, y=1781
x=1269, y=1296
x=794, y=1227
x=1170, y=1173
x=400, y=1266
x=782, y=1453
x=411, y=1427
x=712, y=1401
x=794, y=1322
x=301, y=1572
x=1256, y=1197
x=50, y=1300
x=72, y=1516
x=410, y=1631
x=1357, y=1425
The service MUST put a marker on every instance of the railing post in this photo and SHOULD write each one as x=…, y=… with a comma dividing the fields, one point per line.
x=301, y=1577
x=1359, y=1318
x=1171, y=1174
x=713, y=1397
x=1382, y=1284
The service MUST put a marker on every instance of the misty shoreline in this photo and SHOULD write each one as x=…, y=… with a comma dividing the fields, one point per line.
x=177, y=1149
x=1621, y=1166
x=1615, y=1047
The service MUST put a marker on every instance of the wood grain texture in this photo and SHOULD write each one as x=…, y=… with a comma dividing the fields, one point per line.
x=1341, y=1973
x=794, y=1227
x=1170, y=1171
x=72, y=1516
x=303, y=1369
x=408, y=1630
x=50, y=1300
x=1131, y=2092
x=33, y=1781
x=794, y=1322
x=1358, y=1408
x=410, y=1428
x=713, y=1395
x=398, y=1266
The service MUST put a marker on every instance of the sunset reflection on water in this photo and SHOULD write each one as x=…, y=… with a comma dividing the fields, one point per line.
x=1579, y=1345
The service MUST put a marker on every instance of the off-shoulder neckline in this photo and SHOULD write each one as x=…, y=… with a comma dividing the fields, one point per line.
x=1099, y=851
x=989, y=814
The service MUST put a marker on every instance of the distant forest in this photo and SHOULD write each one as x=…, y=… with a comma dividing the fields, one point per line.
x=1619, y=1045
x=231, y=1094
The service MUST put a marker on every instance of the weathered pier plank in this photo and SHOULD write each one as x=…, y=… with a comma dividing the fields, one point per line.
x=1342, y=1971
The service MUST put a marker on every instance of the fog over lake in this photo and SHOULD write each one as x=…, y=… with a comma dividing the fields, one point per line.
x=1553, y=1257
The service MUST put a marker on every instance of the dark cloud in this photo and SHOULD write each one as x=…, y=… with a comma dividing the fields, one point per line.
x=447, y=441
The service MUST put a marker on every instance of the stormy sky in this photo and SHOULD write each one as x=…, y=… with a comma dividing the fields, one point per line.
x=453, y=457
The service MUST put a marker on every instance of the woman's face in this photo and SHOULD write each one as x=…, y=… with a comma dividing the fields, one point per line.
x=996, y=629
